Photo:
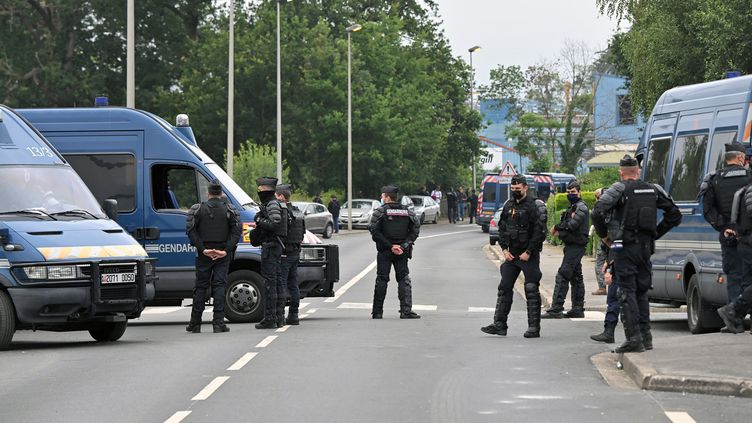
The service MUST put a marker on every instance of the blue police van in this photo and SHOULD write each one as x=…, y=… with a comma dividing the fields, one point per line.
x=156, y=172
x=494, y=192
x=684, y=140
x=64, y=265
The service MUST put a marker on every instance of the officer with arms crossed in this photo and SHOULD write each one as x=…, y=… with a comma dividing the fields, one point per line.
x=522, y=230
x=214, y=229
x=626, y=215
x=291, y=257
x=717, y=192
x=270, y=233
x=573, y=230
x=394, y=228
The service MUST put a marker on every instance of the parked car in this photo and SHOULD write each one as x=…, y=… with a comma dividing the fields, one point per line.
x=426, y=208
x=317, y=218
x=493, y=228
x=362, y=211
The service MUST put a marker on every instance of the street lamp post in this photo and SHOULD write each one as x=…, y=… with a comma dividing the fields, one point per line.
x=231, y=92
x=472, y=50
x=130, y=57
x=279, y=98
x=350, y=30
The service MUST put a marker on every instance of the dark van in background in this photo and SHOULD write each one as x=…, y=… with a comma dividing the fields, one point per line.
x=156, y=172
x=494, y=192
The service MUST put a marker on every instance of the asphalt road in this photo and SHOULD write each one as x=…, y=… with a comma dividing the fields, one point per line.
x=339, y=365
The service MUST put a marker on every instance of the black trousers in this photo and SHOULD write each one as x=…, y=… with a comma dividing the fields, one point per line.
x=211, y=277
x=743, y=302
x=510, y=270
x=271, y=271
x=384, y=262
x=633, y=274
x=570, y=273
x=290, y=276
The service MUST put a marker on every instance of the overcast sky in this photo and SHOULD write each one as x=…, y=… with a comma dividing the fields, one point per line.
x=520, y=32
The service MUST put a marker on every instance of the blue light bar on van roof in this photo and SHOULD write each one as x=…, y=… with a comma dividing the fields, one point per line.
x=101, y=101
x=732, y=74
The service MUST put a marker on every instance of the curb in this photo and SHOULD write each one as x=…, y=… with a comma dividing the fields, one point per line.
x=647, y=377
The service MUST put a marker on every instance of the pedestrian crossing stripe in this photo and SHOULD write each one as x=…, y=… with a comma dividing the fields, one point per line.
x=100, y=251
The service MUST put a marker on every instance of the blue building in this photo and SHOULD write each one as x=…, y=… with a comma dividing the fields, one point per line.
x=614, y=122
x=496, y=143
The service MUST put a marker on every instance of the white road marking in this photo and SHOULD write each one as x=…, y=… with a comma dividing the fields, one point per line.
x=480, y=309
x=283, y=328
x=303, y=305
x=160, y=310
x=178, y=416
x=356, y=306
x=210, y=388
x=539, y=397
x=679, y=417
x=266, y=341
x=313, y=310
x=242, y=361
x=303, y=316
x=591, y=316
x=423, y=307
x=351, y=282
x=448, y=233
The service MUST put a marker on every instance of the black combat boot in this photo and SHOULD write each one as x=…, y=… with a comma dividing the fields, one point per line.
x=496, y=328
x=266, y=324
x=734, y=324
x=409, y=315
x=533, y=320
x=575, y=313
x=607, y=336
x=194, y=326
x=633, y=342
x=553, y=314
x=647, y=336
x=292, y=319
x=220, y=326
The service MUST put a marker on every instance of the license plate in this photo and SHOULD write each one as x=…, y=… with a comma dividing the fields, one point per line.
x=118, y=278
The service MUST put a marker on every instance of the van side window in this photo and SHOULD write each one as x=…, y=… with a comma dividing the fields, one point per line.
x=656, y=160
x=176, y=187
x=689, y=155
x=716, y=149
x=108, y=176
x=489, y=193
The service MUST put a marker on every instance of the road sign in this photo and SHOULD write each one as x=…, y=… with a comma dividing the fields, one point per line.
x=508, y=170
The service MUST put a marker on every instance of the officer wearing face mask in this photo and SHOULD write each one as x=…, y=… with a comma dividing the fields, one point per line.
x=270, y=233
x=522, y=230
x=573, y=230
x=717, y=192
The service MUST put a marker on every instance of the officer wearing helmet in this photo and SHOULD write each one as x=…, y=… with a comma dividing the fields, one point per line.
x=213, y=227
x=394, y=228
x=626, y=217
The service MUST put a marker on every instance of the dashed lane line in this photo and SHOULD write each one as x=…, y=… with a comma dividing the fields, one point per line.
x=679, y=417
x=303, y=316
x=351, y=282
x=449, y=233
x=481, y=309
x=242, y=361
x=591, y=316
x=210, y=388
x=266, y=341
x=282, y=329
x=422, y=307
x=178, y=416
x=160, y=310
x=303, y=305
x=367, y=306
x=311, y=311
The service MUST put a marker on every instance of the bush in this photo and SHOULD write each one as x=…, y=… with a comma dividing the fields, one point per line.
x=599, y=178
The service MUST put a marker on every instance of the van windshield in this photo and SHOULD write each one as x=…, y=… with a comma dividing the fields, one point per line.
x=46, y=191
x=229, y=185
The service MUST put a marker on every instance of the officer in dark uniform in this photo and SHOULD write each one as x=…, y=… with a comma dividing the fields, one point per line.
x=522, y=230
x=626, y=216
x=291, y=256
x=717, y=192
x=394, y=228
x=573, y=230
x=214, y=229
x=270, y=233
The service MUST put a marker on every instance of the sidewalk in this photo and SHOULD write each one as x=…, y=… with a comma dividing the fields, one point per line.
x=705, y=364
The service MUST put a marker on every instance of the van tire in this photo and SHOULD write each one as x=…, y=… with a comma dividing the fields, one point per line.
x=7, y=320
x=109, y=331
x=328, y=230
x=701, y=316
x=244, y=287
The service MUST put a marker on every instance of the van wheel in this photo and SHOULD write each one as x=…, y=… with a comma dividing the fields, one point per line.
x=7, y=320
x=701, y=316
x=484, y=228
x=109, y=331
x=328, y=231
x=245, y=297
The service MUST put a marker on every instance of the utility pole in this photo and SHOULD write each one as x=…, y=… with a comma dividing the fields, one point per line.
x=231, y=92
x=130, y=58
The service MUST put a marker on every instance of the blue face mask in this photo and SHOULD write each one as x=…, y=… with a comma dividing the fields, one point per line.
x=573, y=198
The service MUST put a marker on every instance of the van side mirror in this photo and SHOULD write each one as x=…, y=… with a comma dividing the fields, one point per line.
x=110, y=206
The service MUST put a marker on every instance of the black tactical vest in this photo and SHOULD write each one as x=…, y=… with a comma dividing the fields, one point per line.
x=396, y=222
x=282, y=229
x=583, y=231
x=640, y=211
x=727, y=182
x=518, y=219
x=296, y=228
x=213, y=223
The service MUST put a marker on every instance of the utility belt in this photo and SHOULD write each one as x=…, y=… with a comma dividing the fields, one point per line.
x=292, y=248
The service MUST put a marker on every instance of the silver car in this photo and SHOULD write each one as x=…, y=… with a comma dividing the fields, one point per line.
x=317, y=218
x=361, y=212
x=493, y=228
x=426, y=208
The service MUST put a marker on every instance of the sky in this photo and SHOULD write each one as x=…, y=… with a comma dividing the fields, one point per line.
x=520, y=32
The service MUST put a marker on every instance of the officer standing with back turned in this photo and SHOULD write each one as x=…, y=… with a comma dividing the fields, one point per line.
x=270, y=234
x=291, y=257
x=626, y=217
x=394, y=228
x=214, y=229
x=522, y=230
x=717, y=192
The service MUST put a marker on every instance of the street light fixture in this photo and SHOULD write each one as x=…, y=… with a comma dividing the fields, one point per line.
x=350, y=29
x=472, y=50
